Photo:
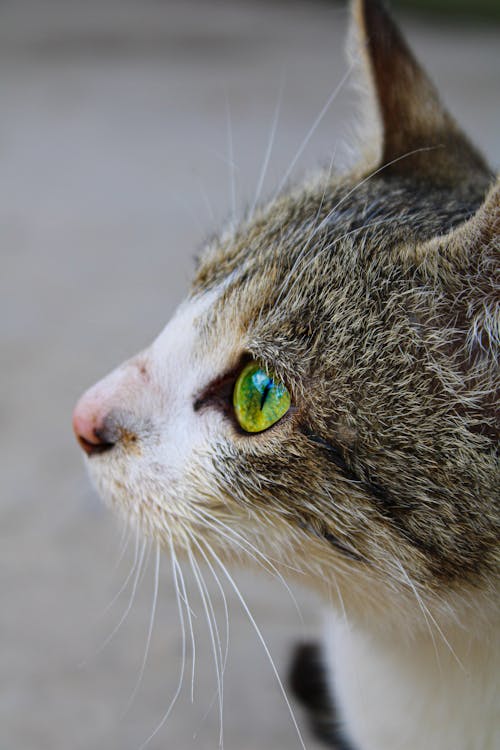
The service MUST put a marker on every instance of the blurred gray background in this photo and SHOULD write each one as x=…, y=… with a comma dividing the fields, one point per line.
x=114, y=166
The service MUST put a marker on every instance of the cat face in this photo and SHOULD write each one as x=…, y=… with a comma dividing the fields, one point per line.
x=356, y=295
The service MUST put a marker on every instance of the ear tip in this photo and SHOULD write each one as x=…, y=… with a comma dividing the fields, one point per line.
x=374, y=18
x=369, y=10
x=412, y=119
x=378, y=30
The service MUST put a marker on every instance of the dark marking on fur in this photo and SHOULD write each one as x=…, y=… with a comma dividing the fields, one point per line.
x=335, y=542
x=308, y=682
x=324, y=533
x=334, y=454
x=397, y=512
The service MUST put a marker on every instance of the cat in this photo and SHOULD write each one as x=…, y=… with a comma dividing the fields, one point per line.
x=325, y=401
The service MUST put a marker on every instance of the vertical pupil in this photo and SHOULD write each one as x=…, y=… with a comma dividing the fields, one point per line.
x=266, y=390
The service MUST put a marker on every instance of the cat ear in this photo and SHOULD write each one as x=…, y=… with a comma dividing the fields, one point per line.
x=417, y=136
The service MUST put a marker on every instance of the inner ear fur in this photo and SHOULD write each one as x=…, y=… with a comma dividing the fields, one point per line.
x=418, y=136
x=476, y=238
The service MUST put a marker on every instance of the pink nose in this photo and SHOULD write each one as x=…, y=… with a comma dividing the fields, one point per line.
x=90, y=428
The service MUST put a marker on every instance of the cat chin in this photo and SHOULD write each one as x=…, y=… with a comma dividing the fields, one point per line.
x=152, y=497
x=357, y=597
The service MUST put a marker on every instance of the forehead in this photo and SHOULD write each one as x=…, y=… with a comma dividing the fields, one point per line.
x=370, y=213
x=285, y=275
x=272, y=273
x=266, y=241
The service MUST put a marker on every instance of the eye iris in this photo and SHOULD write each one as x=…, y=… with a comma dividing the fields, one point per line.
x=258, y=400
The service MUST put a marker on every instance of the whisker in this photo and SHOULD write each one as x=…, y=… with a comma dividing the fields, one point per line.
x=369, y=177
x=223, y=595
x=326, y=248
x=425, y=610
x=232, y=170
x=207, y=202
x=269, y=149
x=226, y=615
x=311, y=234
x=312, y=129
x=150, y=630
x=149, y=544
x=190, y=615
x=127, y=579
x=341, y=599
x=124, y=542
x=208, y=599
x=214, y=637
x=335, y=208
x=187, y=605
x=240, y=541
x=258, y=632
x=205, y=517
x=129, y=606
x=446, y=642
x=175, y=567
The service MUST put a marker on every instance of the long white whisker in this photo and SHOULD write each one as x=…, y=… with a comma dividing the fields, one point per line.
x=237, y=539
x=268, y=560
x=187, y=605
x=446, y=642
x=340, y=597
x=124, y=542
x=305, y=265
x=129, y=606
x=150, y=629
x=427, y=614
x=207, y=202
x=313, y=127
x=269, y=149
x=149, y=544
x=190, y=615
x=214, y=638
x=226, y=614
x=261, y=639
x=335, y=208
x=127, y=579
x=312, y=233
x=175, y=567
x=368, y=177
x=232, y=171
x=422, y=609
x=223, y=595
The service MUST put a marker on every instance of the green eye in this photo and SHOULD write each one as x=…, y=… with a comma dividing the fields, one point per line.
x=258, y=401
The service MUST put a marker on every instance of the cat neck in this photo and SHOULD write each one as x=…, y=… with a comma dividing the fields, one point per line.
x=436, y=691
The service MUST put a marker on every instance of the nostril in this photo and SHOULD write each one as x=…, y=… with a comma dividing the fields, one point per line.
x=95, y=434
x=97, y=445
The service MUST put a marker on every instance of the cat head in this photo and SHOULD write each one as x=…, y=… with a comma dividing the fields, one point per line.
x=323, y=401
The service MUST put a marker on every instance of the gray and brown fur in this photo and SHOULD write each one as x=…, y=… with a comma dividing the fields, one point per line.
x=374, y=296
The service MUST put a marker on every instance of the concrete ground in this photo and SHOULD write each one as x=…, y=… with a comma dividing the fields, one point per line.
x=114, y=150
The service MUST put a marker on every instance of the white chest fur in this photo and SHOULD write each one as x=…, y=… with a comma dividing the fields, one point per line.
x=415, y=696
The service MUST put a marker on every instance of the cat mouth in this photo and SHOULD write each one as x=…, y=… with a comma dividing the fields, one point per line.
x=92, y=448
